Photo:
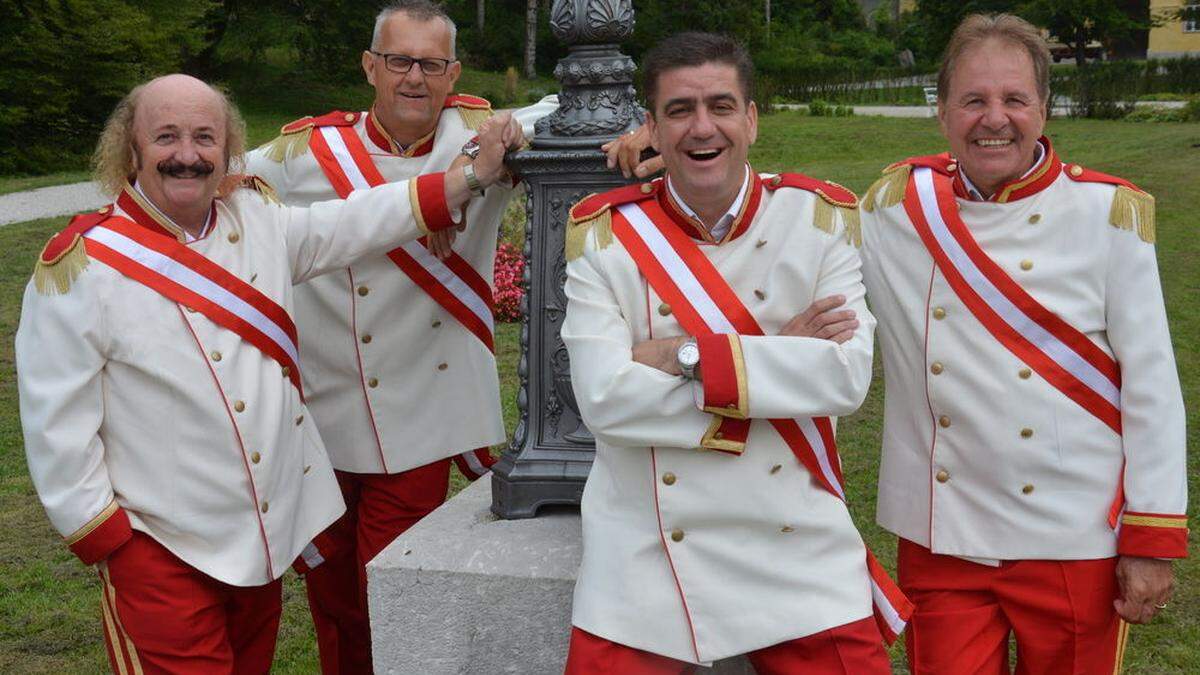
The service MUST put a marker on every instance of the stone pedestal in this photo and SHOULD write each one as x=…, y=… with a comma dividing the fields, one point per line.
x=464, y=592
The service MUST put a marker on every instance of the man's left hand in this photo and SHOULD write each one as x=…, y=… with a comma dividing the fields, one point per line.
x=661, y=353
x=1145, y=586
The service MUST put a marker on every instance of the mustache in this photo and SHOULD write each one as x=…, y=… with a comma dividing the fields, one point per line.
x=177, y=169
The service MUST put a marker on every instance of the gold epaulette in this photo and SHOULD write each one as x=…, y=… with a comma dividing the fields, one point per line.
x=891, y=186
x=1132, y=208
x=294, y=136
x=473, y=109
x=834, y=199
x=65, y=256
x=235, y=181
x=593, y=213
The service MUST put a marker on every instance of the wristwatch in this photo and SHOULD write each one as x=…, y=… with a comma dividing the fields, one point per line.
x=471, y=148
x=688, y=358
x=473, y=183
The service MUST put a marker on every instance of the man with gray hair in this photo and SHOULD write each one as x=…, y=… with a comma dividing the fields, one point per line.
x=165, y=424
x=396, y=398
x=1033, y=442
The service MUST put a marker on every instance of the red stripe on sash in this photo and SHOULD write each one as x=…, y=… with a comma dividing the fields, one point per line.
x=744, y=323
x=215, y=273
x=1050, y=370
x=406, y=263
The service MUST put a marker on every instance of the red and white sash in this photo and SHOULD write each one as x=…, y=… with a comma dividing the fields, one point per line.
x=705, y=304
x=1059, y=352
x=452, y=283
x=184, y=276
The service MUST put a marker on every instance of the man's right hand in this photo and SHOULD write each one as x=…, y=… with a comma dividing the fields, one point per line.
x=495, y=138
x=824, y=320
x=625, y=152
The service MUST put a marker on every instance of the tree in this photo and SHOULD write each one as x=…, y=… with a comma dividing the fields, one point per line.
x=531, y=57
x=480, y=14
x=1077, y=23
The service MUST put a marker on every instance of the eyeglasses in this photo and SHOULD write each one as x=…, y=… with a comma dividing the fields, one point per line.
x=400, y=63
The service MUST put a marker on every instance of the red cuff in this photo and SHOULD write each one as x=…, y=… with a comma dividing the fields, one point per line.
x=102, y=535
x=724, y=372
x=726, y=434
x=428, y=195
x=475, y=463
x=1153, y=535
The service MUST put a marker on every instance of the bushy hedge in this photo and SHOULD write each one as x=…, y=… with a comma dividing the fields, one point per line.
x=1108, y=90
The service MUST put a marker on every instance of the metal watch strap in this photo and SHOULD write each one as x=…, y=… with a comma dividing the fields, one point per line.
x=473, y=183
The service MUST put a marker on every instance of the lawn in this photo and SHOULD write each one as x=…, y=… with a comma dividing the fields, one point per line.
x=49, y=611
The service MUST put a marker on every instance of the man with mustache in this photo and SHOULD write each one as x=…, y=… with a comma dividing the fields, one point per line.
x=714, y=520
x=164, y=420
x=396, y=397
x=1033, y=444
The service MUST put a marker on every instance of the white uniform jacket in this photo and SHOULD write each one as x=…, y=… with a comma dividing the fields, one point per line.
x=690, y=553
x=394, y=380
x=138, y=412
x=984, y=458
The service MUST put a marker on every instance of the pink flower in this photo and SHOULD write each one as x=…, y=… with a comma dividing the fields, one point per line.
x=507, y=290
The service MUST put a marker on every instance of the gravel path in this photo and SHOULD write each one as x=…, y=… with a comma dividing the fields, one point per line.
x=47, y=202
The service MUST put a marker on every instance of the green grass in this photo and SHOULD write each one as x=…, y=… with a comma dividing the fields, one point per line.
x=20, y=183
x=49, y=611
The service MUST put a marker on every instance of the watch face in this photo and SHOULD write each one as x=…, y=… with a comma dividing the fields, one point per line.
x=689, y=354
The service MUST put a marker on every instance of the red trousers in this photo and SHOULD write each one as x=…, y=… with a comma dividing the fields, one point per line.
x=1060, y=610
x=379, y=507
x=852, y=649
x=163, y=616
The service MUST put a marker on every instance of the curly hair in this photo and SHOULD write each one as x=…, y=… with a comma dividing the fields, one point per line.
x=114, y=162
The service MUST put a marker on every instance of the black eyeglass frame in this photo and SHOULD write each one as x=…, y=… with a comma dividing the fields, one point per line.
x=388, y=59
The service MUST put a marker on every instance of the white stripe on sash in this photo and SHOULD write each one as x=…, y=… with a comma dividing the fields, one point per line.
x=678, y=270
x=1045, y=341
x=885, y=608
x=337, y=145
x=195, y=282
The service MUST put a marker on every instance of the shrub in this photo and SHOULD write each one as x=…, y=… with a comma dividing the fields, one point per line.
x=508, y=288
x=819, y=108
x=1154, y=113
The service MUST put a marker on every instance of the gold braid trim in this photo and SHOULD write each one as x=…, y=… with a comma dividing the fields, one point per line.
x=55, y=277
x=891, y=186
x=599, y=222
x=474, y=117
x=288, y=145
x=824, y=220
x=262, y=187
x=853, y=224
x=1131, y=208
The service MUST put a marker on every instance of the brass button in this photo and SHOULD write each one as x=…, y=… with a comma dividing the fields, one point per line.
x=759, y=294
x=436, y=323
x=216, y=355
x=1075, y=170
x=677, y=535
x=366, y=339
x=942, y=476
x=939, y=313
x=760, y=243
x=719, y=435
x=936, y=368
x=363, y=290
x=239, y=406
x=776, y=468
x=233, y=237
x=944, y=420
x=669, y=478
x=787, y=528
x=349, y=117
x=1027, y=433
x=647, y=188
x=1024, y=373
x=307, y=467
x=103, y=210
x=286, y=371
x=300, y=420
x=776, y=180
x=952, y=167
x=255, y=457
x=664, y=309
x=265, y=506
x=1026, y=265
x=1027, y=489
x=372, y=383
x=443, y=366
x=1035, y=218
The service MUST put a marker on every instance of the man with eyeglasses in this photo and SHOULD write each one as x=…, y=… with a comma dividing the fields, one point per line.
x=398, y=350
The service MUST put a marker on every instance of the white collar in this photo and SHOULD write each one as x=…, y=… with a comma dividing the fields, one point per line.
x=187, y=237
x=719, y=230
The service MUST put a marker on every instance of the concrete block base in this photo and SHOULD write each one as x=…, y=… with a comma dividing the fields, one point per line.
x=463, y=592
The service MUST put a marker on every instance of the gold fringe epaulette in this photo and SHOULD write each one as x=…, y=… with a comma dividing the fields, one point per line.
x=1133, y=209
x=891, y=187
x=474, y=117
x=834, y=199
x=65, y=256
x=584, y=220
x=288, y=145
x=824, y=220
x=473, y=109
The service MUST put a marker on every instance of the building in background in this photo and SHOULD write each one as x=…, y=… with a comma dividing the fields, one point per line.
x=1176, y=37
